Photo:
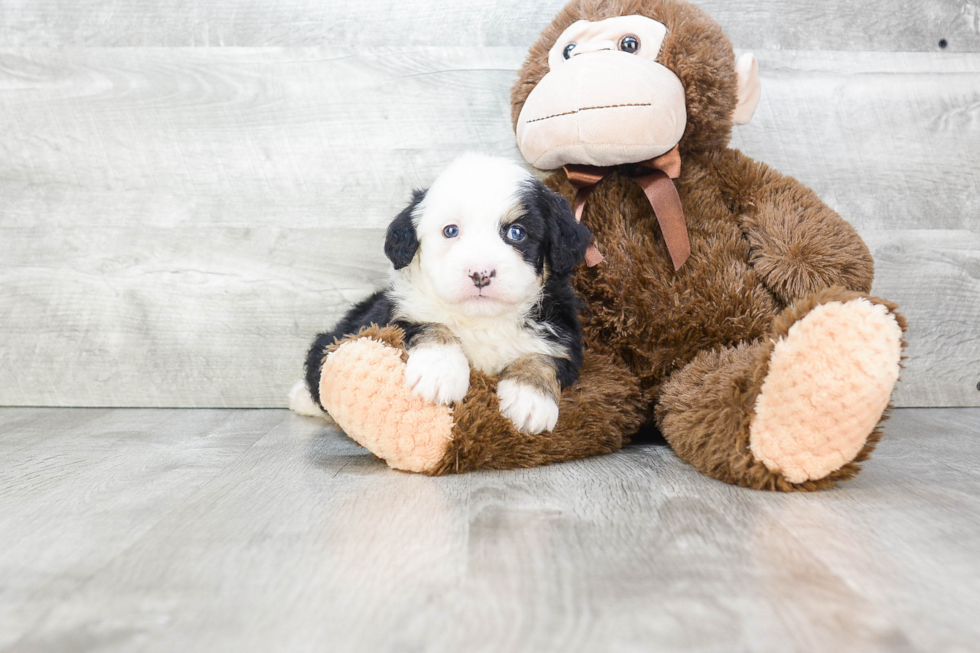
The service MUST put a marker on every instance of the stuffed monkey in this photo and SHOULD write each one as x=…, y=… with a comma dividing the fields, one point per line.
x=727, y=306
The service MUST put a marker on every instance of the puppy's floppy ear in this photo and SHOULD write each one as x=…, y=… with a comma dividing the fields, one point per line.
x=567, y=238
x=402, y=242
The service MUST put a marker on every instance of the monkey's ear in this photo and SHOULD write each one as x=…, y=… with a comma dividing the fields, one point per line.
x=749, y=88
x=402, y=242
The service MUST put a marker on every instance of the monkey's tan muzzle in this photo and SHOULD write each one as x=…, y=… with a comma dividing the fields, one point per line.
x=603, y=109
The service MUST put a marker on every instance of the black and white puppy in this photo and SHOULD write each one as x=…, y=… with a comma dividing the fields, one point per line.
x=482, y=263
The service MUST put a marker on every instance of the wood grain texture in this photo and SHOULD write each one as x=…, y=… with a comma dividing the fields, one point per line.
x=245, y=137
x=887, y=25
x=79, y=487
x=261, y=530
x=176, y=223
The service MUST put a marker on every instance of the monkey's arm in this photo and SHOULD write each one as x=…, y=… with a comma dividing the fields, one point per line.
x=799, y=244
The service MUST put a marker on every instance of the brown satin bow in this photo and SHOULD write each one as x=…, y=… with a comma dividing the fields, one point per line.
x=655, y=177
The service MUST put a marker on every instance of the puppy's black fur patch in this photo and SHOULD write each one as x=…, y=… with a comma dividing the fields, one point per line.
x=554, y=246
x=553, y=233
x=401, y=241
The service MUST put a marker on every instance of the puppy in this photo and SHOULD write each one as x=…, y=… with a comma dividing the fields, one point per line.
x=482, y=263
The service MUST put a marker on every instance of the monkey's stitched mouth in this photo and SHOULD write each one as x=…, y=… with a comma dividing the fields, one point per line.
x=607, y=106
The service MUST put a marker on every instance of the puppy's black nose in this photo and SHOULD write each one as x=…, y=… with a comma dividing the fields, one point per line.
x=482, y=279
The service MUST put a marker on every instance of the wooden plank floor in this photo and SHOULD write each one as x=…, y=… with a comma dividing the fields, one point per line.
x=206, y=530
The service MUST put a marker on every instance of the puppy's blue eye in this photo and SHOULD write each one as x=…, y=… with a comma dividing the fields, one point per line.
x=567, y=52
x=516, y=233
x=451, y=231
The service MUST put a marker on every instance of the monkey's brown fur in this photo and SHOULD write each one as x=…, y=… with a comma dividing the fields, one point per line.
x=687, y=350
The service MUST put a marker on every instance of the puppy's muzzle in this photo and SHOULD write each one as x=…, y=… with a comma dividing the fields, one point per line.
x=482, y=279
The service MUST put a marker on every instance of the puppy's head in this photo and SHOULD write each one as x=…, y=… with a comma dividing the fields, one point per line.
x=485, y=236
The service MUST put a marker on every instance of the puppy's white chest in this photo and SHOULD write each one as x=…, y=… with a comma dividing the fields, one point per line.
x=493, y=346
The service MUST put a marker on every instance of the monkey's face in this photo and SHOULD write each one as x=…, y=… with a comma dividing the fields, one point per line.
x=606, y=100
x=604, y=89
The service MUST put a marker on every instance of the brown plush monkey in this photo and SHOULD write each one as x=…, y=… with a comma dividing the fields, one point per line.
x=731, y=313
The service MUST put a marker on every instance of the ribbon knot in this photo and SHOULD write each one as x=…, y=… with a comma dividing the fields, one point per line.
x=655, y=177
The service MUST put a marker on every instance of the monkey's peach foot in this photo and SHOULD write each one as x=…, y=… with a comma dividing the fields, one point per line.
x=362, y=386
x=829, y=381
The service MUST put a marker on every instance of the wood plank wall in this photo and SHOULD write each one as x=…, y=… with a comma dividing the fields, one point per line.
x=190, y=190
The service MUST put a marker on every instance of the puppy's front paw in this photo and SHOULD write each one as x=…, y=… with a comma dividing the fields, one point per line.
x=438, y=374
x=528, y=408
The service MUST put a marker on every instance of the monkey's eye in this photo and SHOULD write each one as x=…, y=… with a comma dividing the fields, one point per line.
x=629, y=44
x=567, y=52
x=516, y=233
x=450, y=231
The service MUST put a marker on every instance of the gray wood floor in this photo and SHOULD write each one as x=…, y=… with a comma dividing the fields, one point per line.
x=179, y=530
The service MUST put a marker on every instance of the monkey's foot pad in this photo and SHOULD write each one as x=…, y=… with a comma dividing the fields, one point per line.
x=362, y=386
x=829, y=381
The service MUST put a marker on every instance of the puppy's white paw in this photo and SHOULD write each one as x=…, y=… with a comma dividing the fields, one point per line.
x=529, y=409
x=438, y=373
